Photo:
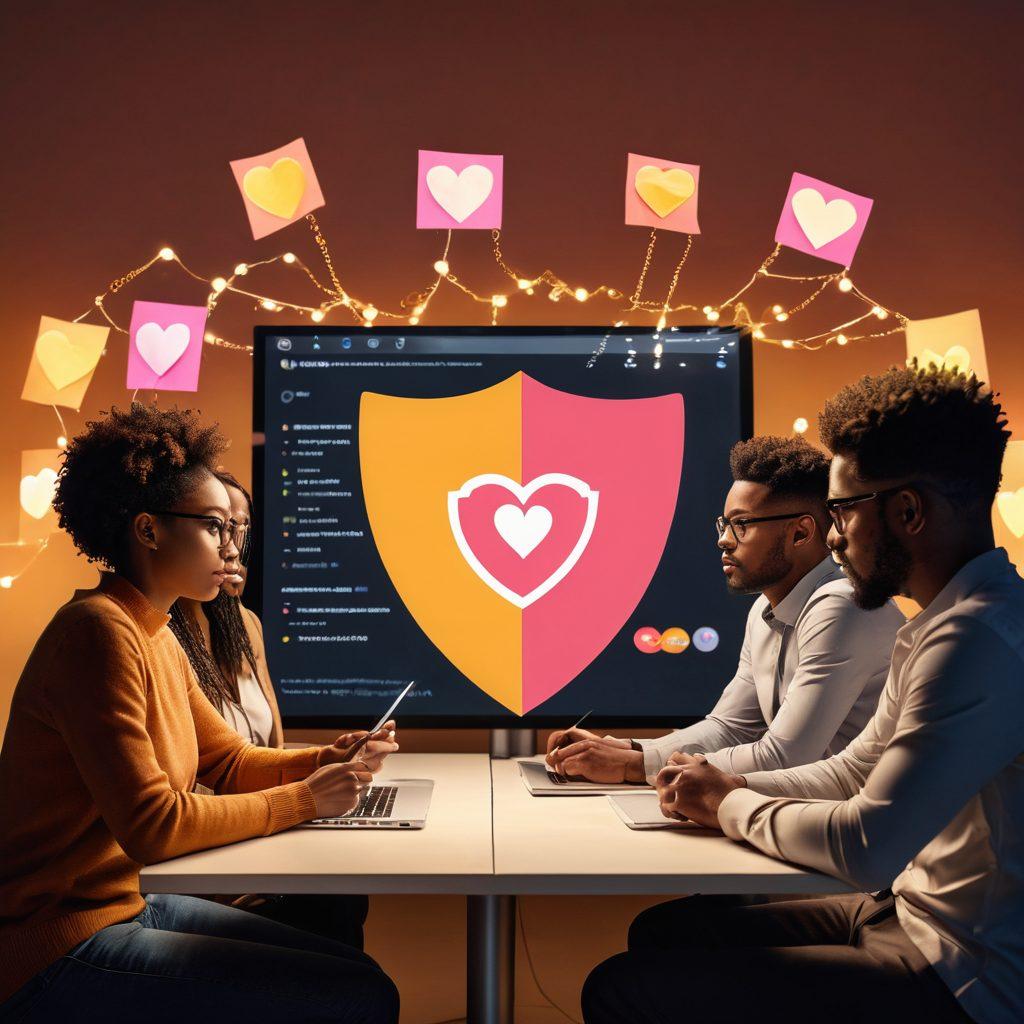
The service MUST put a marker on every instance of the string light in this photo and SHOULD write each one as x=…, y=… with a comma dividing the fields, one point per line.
x=218, y=284
x=841, y=339
x=6, y=582
x=289, y=257
x=800, y=425
x=62, y=441
x=441, y=266
x=581, y=294
x=788, y=342
x=499, y=300
x=317, y=315
x=845, y=284
x=166, y=253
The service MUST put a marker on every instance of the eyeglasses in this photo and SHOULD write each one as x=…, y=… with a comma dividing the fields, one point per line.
x=230, y=531
x=837, y=506
x=739, y=526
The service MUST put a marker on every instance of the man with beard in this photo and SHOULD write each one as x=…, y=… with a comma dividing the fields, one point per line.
x=936, y=779
x=812, y=664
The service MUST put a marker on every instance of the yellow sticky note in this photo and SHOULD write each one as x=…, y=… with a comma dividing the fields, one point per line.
x=63, y=361
x=36, y=486
x=948, y=341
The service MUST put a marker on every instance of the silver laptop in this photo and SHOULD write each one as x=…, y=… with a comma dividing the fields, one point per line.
x=642, y=811
x=396, y=803
x=540, y=780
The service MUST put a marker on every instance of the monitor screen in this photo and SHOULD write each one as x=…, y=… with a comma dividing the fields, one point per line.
x=522, y=520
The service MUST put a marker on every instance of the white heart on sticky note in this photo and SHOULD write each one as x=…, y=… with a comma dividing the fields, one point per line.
x=162, y=347
x=522, y=531
x=460, y=194
x=36, y=492
x=822, y=222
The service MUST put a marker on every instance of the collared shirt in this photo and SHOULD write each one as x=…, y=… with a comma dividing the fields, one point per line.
x=936, y=779
x=808, y=680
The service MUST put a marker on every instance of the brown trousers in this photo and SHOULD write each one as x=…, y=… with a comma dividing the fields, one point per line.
x=712, y=960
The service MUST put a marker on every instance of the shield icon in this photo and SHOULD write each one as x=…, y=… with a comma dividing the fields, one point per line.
x=519, y=524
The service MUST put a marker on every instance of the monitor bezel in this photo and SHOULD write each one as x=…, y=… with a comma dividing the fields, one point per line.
x=254, y=582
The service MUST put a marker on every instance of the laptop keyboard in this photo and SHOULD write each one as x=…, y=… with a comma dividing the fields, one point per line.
x=560, y=780
x=376, y=802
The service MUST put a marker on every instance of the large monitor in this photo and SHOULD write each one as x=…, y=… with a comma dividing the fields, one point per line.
x=519, y=519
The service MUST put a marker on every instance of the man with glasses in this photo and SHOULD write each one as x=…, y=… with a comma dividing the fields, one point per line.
x=928, y=799
x=812, y=663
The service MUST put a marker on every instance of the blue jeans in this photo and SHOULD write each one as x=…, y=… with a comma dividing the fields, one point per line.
x=186, y=960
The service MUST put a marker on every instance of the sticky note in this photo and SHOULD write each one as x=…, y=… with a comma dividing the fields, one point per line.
x=63, y=361
x=822, y=219
x=458, y=190
x=948, y=341
x=662, y=194
x=165, y=346
x=278, y=188
x=1008, y=510
x=36, y=488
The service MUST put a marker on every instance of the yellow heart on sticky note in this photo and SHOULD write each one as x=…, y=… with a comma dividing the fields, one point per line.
x=664, y=190
x=1011, y=508
x=956, y=356
x=277, y=189
x=62, y=360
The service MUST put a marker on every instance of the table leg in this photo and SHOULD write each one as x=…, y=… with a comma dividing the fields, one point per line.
x=490, y=959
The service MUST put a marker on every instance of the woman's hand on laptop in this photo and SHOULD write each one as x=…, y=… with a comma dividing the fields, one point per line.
x=597, y=759
x=372, y=750
x=689, y=787
x=336, y=788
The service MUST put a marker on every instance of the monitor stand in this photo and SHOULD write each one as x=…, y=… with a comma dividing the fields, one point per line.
x=506, y=743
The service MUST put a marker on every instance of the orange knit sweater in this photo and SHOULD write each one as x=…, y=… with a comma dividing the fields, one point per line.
x=108, y=734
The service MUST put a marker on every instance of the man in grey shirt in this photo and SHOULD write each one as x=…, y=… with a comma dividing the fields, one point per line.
x=812, y=663
x=928, y=799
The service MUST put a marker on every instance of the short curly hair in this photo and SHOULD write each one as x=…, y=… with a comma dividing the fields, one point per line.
x=940, y=424
x=126, y=463
x=787, y=466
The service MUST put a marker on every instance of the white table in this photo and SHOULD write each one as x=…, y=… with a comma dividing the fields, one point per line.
x=488, y=839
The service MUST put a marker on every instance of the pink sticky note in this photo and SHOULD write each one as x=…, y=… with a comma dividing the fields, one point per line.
x=662, y=194
x=165, y=346
x=822, y=219
x=458, y=190
x=278, y=188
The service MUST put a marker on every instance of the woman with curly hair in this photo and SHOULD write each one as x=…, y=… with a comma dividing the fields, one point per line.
x=224, y=643
x=109, y=734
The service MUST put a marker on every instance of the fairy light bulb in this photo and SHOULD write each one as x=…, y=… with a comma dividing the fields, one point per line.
x=367, y=323
x=317, y=315
x=523, y=284
x=581, y=294
x=759, y=334
x=218, y=284
x=776, y=309
x=499, y=300
x=370, y=314
x=268, y=304
x=879, y=312
x=166, y=253
x=841, y=339
x=782, y=317
x=787, y=342
x=414, y=320
x=241, y=269
x=800, y=425
x=441, y=267
x=289, y=257
x=714, y=315
x=6, y=582
x=613, y=294
x=845, y=284
x=62, y=441
x=209, y=336
x=706, y=310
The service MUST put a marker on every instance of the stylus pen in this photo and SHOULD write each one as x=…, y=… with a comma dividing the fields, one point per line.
x=564, y=741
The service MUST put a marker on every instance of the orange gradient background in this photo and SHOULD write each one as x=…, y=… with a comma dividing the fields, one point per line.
x=120, y=120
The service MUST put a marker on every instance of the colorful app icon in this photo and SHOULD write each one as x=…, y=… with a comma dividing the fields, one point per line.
x=675, y=640
x=647, y=639
x=705, y=639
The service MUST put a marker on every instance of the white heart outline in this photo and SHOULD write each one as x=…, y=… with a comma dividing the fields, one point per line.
x=523, y=493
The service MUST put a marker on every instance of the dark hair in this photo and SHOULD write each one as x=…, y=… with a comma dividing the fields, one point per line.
x=940, y=424
x=126, y=463
x=787, y=466
x=217, y=667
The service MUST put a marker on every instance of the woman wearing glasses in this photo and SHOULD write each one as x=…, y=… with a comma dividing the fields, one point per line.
x=109, y=734
x=224, y=643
